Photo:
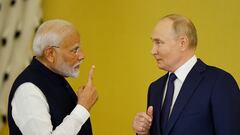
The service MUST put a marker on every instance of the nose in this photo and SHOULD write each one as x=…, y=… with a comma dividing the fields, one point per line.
x=154, y=50
x=80, y=55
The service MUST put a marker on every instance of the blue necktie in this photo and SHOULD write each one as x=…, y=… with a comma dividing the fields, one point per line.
x=167, y=102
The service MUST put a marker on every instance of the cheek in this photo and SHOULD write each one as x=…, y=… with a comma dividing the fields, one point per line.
x=72, y=62
x=173, y=57
x=69, y=61
x=163, y=52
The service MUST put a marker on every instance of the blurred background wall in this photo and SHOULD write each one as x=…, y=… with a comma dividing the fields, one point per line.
x=115, y=36
x=18, y=22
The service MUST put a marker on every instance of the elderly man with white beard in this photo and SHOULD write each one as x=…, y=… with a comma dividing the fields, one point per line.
x=41, y=101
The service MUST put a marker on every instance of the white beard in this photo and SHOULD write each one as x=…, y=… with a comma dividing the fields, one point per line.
x=67, y=71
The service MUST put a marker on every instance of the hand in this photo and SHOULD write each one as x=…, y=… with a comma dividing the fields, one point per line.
x=143, y=121
x=87, y=96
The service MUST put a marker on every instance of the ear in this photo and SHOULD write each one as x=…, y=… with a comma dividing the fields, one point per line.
x=183, y=42
x=49, y=54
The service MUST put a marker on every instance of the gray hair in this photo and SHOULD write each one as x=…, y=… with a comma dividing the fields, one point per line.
x=50, y=33
x=183, y=25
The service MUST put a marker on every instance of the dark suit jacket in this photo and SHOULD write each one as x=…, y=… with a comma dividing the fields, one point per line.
x=208, y=104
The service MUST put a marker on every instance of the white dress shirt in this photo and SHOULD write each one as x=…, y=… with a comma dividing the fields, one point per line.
x=181, y=74
x=30, y=112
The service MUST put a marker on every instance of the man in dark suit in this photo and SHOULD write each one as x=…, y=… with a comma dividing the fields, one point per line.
x=192, y=98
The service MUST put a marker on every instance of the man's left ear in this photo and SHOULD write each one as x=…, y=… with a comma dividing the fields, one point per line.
x=183, y=42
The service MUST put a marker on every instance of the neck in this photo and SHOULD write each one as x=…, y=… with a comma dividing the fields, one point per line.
x=45, y=62
x=183, y=60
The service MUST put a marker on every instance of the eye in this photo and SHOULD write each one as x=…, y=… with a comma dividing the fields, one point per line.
x=75, y=50
x=158, y=42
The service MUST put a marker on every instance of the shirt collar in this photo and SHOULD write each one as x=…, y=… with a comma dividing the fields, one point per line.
x=183, y=71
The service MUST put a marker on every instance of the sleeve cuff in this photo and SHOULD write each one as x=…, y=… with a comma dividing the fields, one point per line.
x=81, y=113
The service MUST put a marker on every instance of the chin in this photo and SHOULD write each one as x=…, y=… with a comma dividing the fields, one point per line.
x=75, y=74
x=161, y=67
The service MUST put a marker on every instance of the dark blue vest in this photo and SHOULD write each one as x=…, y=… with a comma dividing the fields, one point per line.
x=59, y=94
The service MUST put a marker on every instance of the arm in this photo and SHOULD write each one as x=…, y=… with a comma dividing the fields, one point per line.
x=226, y=105
x=30, y=112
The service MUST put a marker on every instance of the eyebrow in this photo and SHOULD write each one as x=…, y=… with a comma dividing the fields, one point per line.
x=156, y=39
x=76, y=47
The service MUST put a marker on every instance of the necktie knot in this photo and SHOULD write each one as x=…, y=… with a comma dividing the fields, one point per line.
x=172, y=77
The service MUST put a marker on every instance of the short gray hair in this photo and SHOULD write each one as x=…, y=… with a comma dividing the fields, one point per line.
x=50, y=33
x=183, y=25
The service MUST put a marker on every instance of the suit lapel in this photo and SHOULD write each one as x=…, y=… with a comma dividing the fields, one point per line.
x=158, y=87
x=189, y=86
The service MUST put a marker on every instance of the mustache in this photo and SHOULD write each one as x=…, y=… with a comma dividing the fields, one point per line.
x=77, y=64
